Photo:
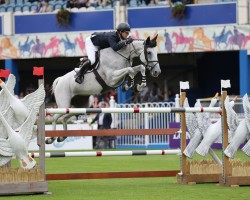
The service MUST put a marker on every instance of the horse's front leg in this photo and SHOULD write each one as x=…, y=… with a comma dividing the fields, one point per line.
x=143, y=84
x=136, y=69
x=117, y=75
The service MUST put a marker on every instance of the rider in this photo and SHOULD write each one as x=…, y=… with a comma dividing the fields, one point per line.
x=97, y=41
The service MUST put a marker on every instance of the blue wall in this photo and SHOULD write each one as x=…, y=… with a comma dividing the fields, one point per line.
x=195, y=15
x=149, y=17
x=45, y=23
x=244, y=72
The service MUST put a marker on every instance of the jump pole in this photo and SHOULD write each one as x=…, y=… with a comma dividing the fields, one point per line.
x=107, y=153
x=130, y=110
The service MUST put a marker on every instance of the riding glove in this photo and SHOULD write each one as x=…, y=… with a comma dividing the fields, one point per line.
x=129, y=40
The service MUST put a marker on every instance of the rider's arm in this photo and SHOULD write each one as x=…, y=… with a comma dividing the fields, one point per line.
x=116, y=46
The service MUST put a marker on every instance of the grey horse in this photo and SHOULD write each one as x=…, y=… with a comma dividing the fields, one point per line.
x=111, y=73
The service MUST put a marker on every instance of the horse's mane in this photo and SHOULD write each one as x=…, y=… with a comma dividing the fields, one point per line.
x=139, y=39
x=152, y=43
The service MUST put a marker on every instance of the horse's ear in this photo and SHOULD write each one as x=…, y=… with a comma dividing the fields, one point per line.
x=148, y=41
x=155, y=37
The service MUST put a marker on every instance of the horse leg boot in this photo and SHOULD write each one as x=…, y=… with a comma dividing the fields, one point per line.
x=84, y=68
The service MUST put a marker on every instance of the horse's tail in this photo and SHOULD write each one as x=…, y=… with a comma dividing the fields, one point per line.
x=54, y=85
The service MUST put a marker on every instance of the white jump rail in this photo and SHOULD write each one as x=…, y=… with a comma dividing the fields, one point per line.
x=131, y=110
x=108, y=153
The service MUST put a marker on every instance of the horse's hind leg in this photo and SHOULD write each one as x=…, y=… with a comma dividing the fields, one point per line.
x=65, y=127
x=55, y=118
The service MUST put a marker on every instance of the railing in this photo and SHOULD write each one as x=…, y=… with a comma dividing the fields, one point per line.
x=143, y=121
x=156, y=120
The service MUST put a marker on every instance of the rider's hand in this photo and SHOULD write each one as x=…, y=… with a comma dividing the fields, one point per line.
x=129, y=40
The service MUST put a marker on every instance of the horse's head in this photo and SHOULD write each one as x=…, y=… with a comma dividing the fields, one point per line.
x=149, y=57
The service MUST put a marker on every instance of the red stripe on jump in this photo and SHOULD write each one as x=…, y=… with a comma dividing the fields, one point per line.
x=136, y=110
x=162, y=152
x=67, y=110
x=32, y=155
x=47, y=114
x=98, y=153
x=202, y=109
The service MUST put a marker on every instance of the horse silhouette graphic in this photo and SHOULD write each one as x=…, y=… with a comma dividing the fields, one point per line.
x=25, y=47
x=222, y=38
x=68, y=45
x=38, y=48
x=81, y=43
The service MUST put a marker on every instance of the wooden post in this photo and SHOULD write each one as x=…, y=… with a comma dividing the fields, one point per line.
x=41, y=134
x=183, y=136
x=226, y=164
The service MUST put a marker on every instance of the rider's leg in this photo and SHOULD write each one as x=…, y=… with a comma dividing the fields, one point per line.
x=84, y=68
x=90, y=49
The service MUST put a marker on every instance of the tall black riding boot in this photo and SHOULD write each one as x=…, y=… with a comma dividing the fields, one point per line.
x=84, y=68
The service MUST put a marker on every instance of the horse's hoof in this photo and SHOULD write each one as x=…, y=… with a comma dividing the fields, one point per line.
x=61, y=139
x=50, y=140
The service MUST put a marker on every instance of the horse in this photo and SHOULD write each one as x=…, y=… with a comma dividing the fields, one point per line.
x=68, y=45
x=246, y=41
x=237, y=39
x=182, y=40
x=8, y=46
x=54, y=46
x=113, y=70
x=199, y=36
x=135, y=35
x=81, y=43
x=25, y=47
x=38, y=49
x=222, y=38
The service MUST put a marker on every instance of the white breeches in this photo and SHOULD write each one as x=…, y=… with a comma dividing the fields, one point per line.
x=91, y=49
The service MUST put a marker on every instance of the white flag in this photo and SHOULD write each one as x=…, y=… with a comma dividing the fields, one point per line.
x=184, y=85
x=225, y=84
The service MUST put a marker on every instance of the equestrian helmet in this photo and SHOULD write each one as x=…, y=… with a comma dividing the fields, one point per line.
x=123, y=27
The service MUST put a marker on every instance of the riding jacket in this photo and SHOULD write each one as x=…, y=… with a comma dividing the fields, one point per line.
x=108, y=39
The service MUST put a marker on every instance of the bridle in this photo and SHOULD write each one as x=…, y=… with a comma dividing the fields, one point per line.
x=138, y=54
x=148, y=67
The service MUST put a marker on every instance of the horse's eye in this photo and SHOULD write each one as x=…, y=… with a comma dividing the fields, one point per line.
x=149, y=53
